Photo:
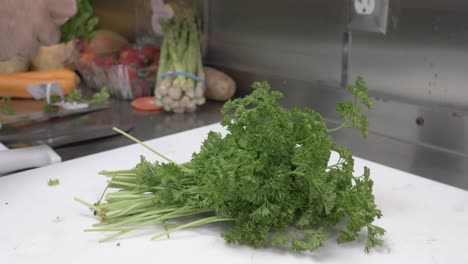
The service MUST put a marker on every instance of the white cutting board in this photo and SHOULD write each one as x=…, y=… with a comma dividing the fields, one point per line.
x=427, y=222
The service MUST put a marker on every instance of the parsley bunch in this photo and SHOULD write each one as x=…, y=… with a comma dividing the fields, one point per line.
x=269, y=178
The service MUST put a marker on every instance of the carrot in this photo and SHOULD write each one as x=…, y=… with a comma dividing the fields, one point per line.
x=15, y=84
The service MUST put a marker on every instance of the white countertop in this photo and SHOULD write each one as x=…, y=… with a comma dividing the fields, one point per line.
x=426, y=222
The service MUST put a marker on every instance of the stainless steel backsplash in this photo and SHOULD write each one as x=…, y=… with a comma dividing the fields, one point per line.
x=422, y=58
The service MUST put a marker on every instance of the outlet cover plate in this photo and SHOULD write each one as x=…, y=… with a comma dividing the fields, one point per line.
x=369, y=16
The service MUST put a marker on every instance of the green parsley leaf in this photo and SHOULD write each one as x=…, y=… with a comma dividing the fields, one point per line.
x=100, y=97
x=350, y=112
x=81, y=25
x=6, y=106
x=53, y=182
x=51, y=107
x=76, y=96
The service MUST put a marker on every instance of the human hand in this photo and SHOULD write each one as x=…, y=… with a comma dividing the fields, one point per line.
x=26, y=25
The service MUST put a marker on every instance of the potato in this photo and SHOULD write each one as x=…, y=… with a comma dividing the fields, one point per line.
x=14, y=64
x=219, y=86
x=57, y=56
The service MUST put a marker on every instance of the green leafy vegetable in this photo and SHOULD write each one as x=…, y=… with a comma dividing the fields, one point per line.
x=6, y=106
x=81, y=25
x=350, y=112
x=51, y=107
x=100, y=97
x=76, y=96
x=269, y=178
x=53, y=182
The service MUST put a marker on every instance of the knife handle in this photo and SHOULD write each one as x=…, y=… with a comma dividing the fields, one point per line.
x=27, y=158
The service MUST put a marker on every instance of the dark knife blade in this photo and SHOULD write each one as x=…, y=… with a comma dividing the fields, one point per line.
x=21, y=120
x=66, y=138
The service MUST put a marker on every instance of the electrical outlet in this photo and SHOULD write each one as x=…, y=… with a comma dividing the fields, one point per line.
x=369, y=16
x=364, y=7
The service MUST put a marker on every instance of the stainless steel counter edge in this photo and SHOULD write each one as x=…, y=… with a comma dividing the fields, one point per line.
x=147, y=125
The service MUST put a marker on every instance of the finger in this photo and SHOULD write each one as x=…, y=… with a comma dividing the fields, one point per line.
x=49, y=32
x=62, y=9
x=29, y=50
x=22, y=42
x=60, y=21
x=6, y=52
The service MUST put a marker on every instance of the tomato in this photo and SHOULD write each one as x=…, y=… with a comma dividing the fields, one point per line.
x=97, y=61
x=146, y=104
x=148, y=55
x=85, y=61
x=131, y=58
x=107, y=62
x=132, y=74
x=127, y=55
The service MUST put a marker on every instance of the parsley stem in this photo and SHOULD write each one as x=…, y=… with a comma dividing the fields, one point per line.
x=159, y=220
x=142, y=144
x=149, y=214
x=124, y=231
x=118, y=173
x=115, y=184
x=200, y=222
x=90, y=206
x=118, y=196
x=344, y=125
x=131, y=209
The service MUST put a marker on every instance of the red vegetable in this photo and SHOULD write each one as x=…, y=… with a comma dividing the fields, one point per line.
x=107, y=63
x=130, y=57
x=132, y=74
x=146, y=104
x=85, y=61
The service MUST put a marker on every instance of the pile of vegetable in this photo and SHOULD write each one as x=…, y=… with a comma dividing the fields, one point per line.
x=79, y=28
x=76, y=97
x=129, y=73
x=134, y=59
x=180, y=78
x=270, y=179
